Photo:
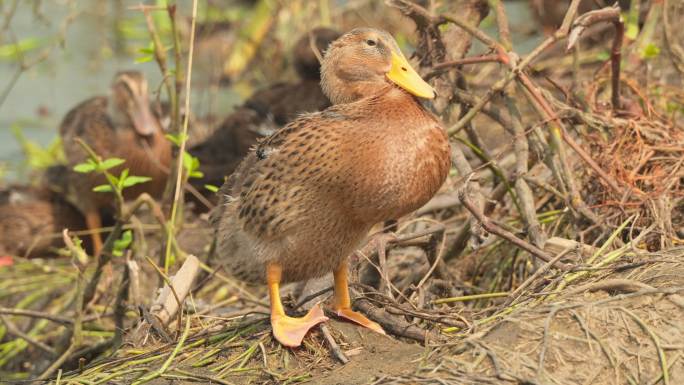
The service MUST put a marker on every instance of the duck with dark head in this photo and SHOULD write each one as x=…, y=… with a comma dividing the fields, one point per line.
x=265, y=111
x=283, y=102
x=120, y=125
x=306, y=197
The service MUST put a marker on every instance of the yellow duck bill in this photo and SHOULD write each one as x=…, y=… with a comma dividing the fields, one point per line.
x=403, y=75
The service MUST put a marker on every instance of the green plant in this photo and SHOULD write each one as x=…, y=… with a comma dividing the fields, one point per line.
x=121, y=244
x=115, y=184
x=14, y=51
x=190, y=163
x=211, y=188
x=37, y=156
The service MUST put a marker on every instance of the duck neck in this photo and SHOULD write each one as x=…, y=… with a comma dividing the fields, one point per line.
x=400, y=101
x=116, y=116
x=342, y=88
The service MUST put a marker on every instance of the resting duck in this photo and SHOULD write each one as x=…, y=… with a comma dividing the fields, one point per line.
x=120, y=125
x=32, y=218
x=306, y=196
x=264, y=112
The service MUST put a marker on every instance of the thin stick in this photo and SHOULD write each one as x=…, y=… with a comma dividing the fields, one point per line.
x=466, y=60
x=472, y=297
x=13, y=329
x=159, y=52
x=184, y=134
x=610, y=14
x=495, y=229
x=37, y=314
x=334, y=347
x=525, y=196
x=539, y=272
x=502, y=24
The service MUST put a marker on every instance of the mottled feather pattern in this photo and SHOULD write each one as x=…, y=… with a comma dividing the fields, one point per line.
x=307, y=195
x=90, y=122
x=30, y=217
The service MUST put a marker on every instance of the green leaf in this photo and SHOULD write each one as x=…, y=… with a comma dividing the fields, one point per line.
x=112, y=179
x=133, y=180
x=15, y=50
x=37, y=156
x=121, y=244
x=80, y=254
x=111, y=162
x=103, y=188
x=191, y=165
x=603, y=55
x=176, y=138
x=187, y=162
x=631, y=18
x=632, y=31
x=84, y=168
x=124, y=174
x=211, y=188
x=650, y=51
x=143, y=59
x=149, y=50
x=122, y=179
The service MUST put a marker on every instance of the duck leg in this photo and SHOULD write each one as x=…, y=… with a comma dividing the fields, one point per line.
x=94, y=224
x=288, y=331
x=342, y=303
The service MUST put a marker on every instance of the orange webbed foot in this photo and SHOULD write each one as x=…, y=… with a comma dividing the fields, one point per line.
x=360, y=319
x=290, y=331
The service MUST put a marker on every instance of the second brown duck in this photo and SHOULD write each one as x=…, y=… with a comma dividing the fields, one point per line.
x=33, y=217
x=120, y=125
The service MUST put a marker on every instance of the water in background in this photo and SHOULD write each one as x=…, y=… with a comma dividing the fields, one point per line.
x=84, y=66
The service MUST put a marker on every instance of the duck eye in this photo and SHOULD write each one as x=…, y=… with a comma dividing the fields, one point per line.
x=370, y=42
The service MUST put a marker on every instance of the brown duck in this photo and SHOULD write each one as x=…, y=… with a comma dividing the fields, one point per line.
x=120, y=125
x=265, y=111
x=32, y=218
x=306, y=196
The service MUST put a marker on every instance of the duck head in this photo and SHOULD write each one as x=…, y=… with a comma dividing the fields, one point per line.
x=365, y=62
x=129, y=104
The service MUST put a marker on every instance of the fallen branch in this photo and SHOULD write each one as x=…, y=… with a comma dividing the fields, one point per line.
x=493, y=228
x=393, y=324
x=334, y=347
x=169, y=301
x=37, y=314
x=166, y=306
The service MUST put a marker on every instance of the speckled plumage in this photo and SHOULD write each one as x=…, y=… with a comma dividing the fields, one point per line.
x=92, y=121
x=307, y=195
x=120, y=125
x=32, y=218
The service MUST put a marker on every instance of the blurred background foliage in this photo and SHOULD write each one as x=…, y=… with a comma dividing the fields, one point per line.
x=57, y=53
